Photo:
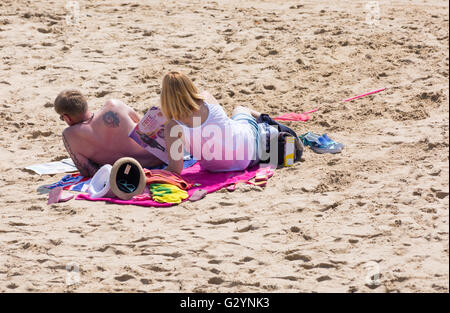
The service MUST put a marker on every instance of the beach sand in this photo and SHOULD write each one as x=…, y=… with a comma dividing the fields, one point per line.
x=378, y=212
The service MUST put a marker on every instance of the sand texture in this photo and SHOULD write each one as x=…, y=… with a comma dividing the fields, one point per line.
x=330, y=223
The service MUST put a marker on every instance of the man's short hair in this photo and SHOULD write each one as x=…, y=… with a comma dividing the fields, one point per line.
x=70, y=102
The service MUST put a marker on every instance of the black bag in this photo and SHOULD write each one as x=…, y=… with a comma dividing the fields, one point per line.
x=283, y=132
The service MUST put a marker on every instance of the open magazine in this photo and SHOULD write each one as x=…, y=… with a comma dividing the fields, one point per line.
x=149, y=134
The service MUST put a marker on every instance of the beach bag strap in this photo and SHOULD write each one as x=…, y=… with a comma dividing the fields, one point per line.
x=283, y=132
x=233, y=186
x=265, y=118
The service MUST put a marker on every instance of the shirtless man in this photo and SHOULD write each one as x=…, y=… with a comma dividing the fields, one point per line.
x=95, y=139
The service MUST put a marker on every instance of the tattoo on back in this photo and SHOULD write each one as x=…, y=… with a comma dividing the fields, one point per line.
x=111, y=119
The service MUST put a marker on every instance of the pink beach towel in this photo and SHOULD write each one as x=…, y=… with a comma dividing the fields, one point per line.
x=208, y=181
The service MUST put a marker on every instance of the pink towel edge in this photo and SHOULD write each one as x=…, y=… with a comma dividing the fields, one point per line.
x=246, y=174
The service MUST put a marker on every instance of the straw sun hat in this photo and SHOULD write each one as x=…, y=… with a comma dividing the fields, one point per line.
x=125, y=179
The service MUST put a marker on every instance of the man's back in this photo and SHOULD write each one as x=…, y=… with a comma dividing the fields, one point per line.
x=103, y=139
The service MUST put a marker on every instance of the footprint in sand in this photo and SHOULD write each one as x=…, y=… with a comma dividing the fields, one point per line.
x=228, y=220
x=215, y=281
x=145, y=281
x=323, y=278
x=12, y=286
x=295, y=229
x=297, y=256
x=215, y=261
x=102, y=93
x=246, y=229
x=124, y=277
x=439, y=193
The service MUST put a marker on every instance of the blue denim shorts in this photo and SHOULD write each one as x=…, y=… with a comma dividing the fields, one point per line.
x=255, y=130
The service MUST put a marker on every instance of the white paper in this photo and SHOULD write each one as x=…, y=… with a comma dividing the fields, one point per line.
x=63, y=166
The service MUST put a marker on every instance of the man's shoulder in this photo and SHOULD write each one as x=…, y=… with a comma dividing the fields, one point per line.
x=115, y=106
x=69, y=131
x=114, y=103
x=72, y=131
x=69, y=135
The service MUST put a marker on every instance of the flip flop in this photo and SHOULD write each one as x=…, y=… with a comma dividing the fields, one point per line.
x=321, y=144
x=310, y=139
x=57, y=195
x=330, y=141
x=197, y=195
x=327, y=148
x=263, y=175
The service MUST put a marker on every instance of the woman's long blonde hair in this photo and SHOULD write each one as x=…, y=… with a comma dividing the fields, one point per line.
x=179, y=96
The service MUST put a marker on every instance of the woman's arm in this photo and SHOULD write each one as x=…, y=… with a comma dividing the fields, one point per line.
x=133, y=115
x=174, y=145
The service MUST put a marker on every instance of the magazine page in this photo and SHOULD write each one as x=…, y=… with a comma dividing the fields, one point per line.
x=63, y=166
x=149, y=133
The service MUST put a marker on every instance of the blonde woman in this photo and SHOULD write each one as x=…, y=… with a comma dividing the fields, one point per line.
x=200, y=126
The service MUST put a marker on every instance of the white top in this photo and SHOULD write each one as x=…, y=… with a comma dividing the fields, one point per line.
x=220, y=144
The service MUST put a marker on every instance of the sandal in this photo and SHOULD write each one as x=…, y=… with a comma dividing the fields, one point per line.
x=330, y=141
x=321, y=144
x=57, y=195
x=263, y=175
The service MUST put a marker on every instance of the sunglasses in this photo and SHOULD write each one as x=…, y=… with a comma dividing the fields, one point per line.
x=61, y=117
x=125, y=186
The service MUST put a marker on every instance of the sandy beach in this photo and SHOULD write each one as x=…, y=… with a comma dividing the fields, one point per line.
x=332, y=223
